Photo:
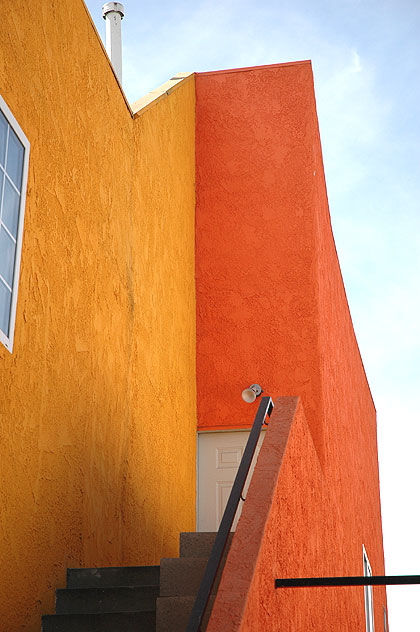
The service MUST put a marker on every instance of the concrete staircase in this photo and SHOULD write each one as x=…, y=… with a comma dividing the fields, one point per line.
x=133, y=598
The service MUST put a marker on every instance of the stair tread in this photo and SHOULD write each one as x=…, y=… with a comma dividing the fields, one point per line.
x=143, y=621
x=111, y=576
x=181, y=576
x=104, y=589
x=132, y=598
x=173, y=613
x=110, y=568
x=108, y=599
x=199, y=543
x=99, y=614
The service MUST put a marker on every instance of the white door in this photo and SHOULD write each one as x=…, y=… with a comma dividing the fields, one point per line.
x=219, y=455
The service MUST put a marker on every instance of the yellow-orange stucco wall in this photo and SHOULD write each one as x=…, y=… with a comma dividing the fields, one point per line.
x=98, y=397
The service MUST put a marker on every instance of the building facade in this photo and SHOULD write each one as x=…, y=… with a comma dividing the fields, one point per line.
x=171, y=253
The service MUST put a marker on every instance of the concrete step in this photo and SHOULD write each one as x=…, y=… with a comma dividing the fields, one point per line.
x=199, y=544
x=123, y=599
x=109, y=622
x=173, y=613
x=96, y=600
x=113, y=576
x=180, y=579
x=181, y=576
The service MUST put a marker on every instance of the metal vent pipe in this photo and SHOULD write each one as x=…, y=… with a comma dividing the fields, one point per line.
x=113, y=13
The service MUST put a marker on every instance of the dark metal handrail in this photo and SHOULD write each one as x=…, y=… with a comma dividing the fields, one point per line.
x=194, y=625
x=366, y=580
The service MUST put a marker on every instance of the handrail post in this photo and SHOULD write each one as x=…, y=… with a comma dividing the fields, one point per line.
x=194, y=625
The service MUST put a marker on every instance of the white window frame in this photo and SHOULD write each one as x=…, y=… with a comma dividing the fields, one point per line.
x=369, y=613
x=7, y=340
x=386, y=628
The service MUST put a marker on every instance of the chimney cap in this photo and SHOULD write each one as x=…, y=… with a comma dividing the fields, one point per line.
x=112, y=7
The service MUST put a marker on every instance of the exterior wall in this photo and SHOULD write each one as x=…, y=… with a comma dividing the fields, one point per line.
x=98, y=398
x=271, y=305
x=257, y=308
x=291, y=526
x=351, y=459
x=92, y=421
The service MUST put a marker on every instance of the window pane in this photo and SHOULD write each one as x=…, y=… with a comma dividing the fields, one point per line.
x=14, y=164
x=10, y=211
x=1, y=190
x=5, y=305
x=7, y=256
x=3, y=136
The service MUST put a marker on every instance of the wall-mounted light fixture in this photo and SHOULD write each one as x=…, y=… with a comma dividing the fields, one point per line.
x=251, y=393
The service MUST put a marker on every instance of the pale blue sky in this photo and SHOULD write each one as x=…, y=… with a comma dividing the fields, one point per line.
x=366, y=56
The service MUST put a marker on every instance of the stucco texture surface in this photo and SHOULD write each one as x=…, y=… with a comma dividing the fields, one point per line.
x=92, y=421
x=291, y=526
x=271, y=304
x=257, y=312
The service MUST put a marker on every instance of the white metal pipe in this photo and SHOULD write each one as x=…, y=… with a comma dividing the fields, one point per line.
x=113, y=13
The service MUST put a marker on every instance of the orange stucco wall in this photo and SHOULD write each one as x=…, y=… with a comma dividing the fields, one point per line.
x=271, y=305
x=257, y=312
x=291, y=526
x=98, y=397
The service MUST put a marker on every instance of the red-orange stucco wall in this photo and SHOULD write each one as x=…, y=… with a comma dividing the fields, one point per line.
x=257, y=316
x=271, y=305
x=290, y=526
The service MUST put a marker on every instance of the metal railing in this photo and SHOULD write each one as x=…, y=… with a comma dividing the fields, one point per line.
x=264, y=410
x=365, y=580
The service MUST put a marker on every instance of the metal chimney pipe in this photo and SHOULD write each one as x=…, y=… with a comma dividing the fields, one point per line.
x=113, y=13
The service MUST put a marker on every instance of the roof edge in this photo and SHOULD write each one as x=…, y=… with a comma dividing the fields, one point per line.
x=249, y=68
x=144, y=103
x=102, y=45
